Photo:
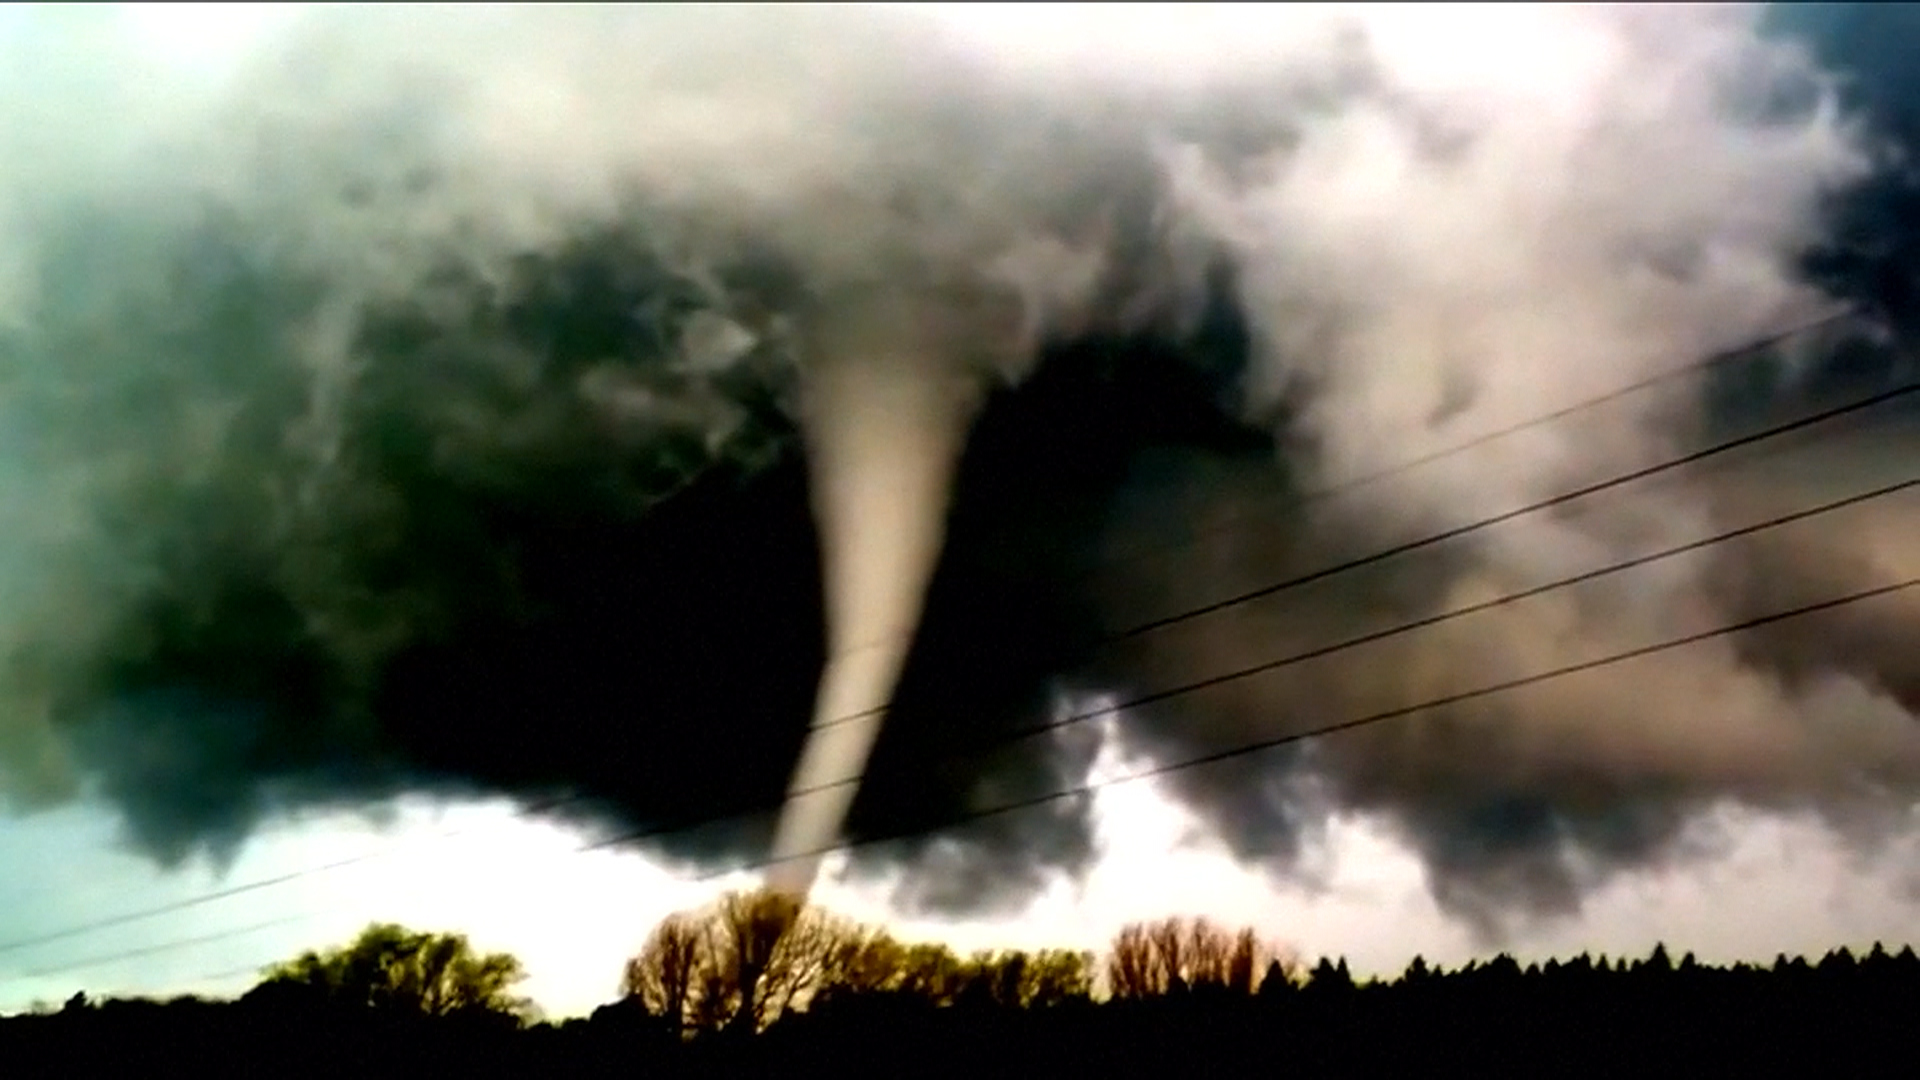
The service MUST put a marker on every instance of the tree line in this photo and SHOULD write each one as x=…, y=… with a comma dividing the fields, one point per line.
x=752, y=957
x=757, y=983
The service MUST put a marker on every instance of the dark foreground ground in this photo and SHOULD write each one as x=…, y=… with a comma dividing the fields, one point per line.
x=1840, y=1017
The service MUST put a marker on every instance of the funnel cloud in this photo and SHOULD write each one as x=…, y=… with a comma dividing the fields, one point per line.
x=636, y=407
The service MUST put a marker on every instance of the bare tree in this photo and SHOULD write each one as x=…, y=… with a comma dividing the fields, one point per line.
x=713, y=991
x=1209, y=954
x=702, y=969
x=768, y=954
x=752, y=957
x=1148, y=959
x=863, y=959
x=1168, y=939
x=666, y=974
x=1244, y=964
x=746, y=933
x=1133, y=965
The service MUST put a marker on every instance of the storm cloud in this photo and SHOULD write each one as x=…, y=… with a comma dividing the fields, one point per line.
x=429, y=403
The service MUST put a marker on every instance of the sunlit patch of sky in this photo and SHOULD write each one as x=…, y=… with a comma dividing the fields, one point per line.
x=204, y=37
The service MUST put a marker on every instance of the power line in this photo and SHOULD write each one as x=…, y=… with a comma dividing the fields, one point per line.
x=1399, y=629
x=1692, y=457
x=1369, y=720
x=165, y=946
x=1405, y=548
x=187, y=903
x=1450, y=614
x=256, y=885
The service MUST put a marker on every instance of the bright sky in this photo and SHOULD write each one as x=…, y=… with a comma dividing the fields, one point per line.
x=1770, y=885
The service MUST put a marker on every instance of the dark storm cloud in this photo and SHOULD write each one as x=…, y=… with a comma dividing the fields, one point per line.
x=1873, y=250
x=427, y=410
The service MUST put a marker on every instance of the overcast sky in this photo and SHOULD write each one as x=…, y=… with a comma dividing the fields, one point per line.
x=1759, y=886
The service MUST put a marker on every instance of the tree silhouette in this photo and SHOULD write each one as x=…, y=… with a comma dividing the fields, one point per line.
x=752, y=928
x=664, y=976
x=1017, y=979
x=829, y=992
x=1330, y=978
x=750, y=957
x=1054, y=977
x=931, y=972
x=1416, y=972
x=1134, y=968
x=391, y=968
x=1150, y=959
x=864, y=960
x=1277, y=983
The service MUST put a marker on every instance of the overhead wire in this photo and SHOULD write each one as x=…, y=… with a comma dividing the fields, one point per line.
x=164, y=947
x=1368, y=720
x=1463, y=611
x=1691, y=457
x=257, y=884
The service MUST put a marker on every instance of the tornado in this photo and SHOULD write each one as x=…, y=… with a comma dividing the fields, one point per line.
x=889, y=399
